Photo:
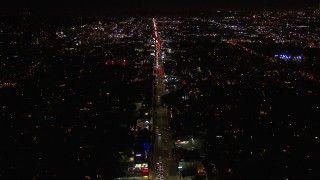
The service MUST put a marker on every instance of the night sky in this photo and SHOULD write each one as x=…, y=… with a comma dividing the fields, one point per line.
x=149, y=6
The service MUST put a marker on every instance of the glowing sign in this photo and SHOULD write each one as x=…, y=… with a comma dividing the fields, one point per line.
x=287, y=57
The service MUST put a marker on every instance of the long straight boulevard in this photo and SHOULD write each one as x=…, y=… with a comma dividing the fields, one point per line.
x=162, y=162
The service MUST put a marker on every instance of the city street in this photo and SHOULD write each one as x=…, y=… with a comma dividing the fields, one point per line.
x=162, y=142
